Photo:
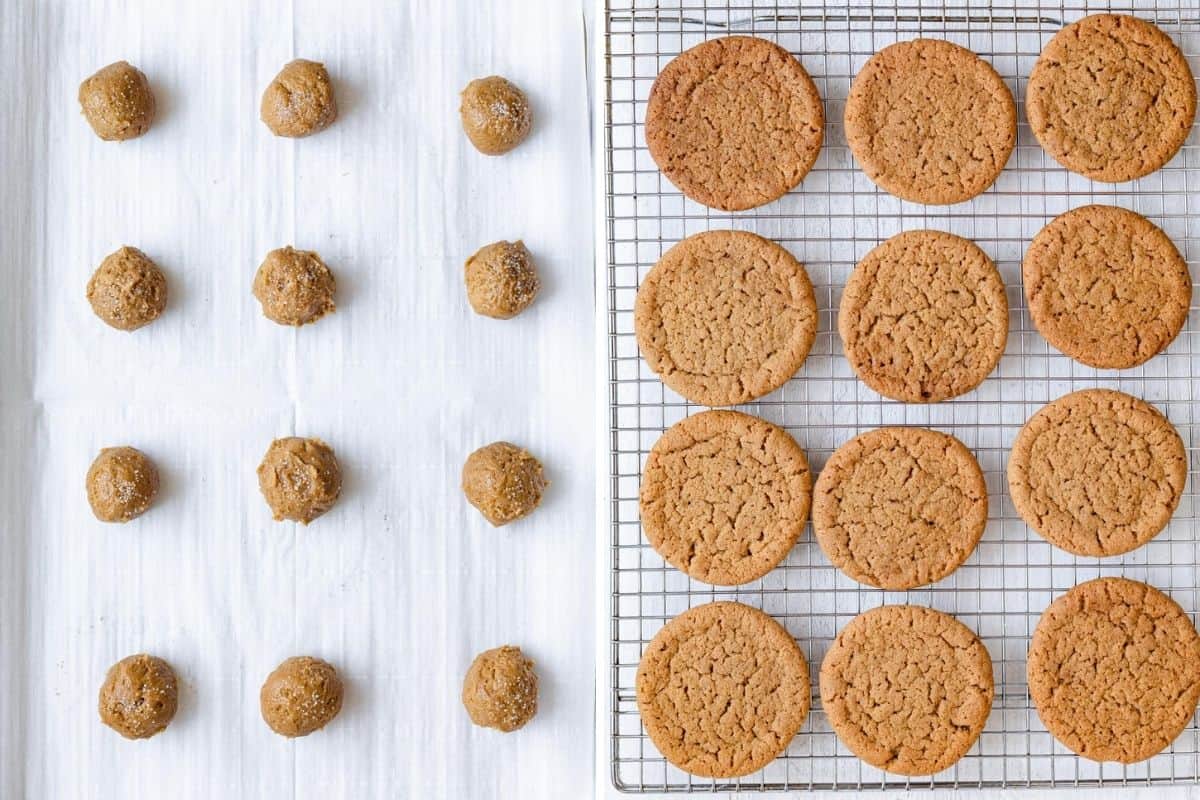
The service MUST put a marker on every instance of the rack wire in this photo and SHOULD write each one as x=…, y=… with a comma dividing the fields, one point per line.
x=829, y=222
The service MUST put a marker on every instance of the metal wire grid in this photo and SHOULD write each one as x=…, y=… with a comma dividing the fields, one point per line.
x=829, y=223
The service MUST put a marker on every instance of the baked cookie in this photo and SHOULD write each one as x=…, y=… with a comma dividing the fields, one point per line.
x=722, y=689
x=1111, y=97
x=1106, y=286
x=734, y=122
x=725, y=496
x=907, y=689
x=930, y=122
x=725, y=317
x=1097, y=472
x=900, y=507
x=1114, y=670
x=924, y=317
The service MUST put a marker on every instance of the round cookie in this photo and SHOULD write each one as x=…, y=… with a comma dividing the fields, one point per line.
x=1111, y=97
x=725, y=317
x=1114, y=670
x=734, y=122
x=299, y=478
x=930, y=122
x=294, y=287
x=907, y=689
x=900, y=507
x=139, y=696
x=301, y=695
x=299, y=101
x=501, y=279
x=722, y=689
x=495, y=115
x=501, y=689
x=1097, y=472
x=122, y=482
x=127, y=290
x=725, y=496
x=1106, y=286
x=924, y=317
x=117, y=102
x=504, y=482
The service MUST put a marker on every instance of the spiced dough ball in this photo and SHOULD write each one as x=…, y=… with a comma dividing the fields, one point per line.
x=302, y=695
x=117, y=102
x=501, y=280
x=121, y=484
x=300, y=478
x=503, y=481
x=300, y=101
x=501, y=689
x=127, y=290
x=139, y=696
x=294, y=287
x=495, y=115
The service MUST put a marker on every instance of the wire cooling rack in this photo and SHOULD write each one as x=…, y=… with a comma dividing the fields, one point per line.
x=829, y=223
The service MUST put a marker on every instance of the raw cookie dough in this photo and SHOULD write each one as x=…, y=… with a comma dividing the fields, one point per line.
x=1114, y=670
x=1106, y=286
x=725, y=317
x=907, y=689
x=1097, y=472
x=900, y=507
x=734, y=122
x=725, y=496
x=121, y=484
x=117, y=102
x=504, y=482
x=501, y=280
x=139, y=696
x=294, y=287
x=924, y=317
x=127, y=290
x=1111, y=97
x=722, y=689
x=302, y=695
x=501, y=689
x=300, y=478
x=495, y=115
x=299, y=101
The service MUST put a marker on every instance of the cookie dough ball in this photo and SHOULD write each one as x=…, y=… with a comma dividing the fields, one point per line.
x=127, y=290
x=294, y=287
x=299, y=102
x=121, y=484
x=504, y=482
x=139, y=696
x=501, y=280
x=117, y=102
x=501, y=689
x=302, y=695
x=495, y=115
x=300, y=478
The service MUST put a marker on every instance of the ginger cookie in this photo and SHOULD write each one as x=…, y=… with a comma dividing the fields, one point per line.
x=734, y=122
x=924, y=317
x=725, y=317
x=1111, y=97
x=725, y=496
x=1097, y=472
x=900, y=507
x=1114, y=670
x=930, y=122
x=907, y=689
x=722, y=689
x=1106, y=286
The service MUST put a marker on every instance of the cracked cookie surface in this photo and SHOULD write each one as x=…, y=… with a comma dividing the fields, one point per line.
x=900, y=507
x=725, y=317
x=1114, y=670
x=734, y=122
x=722, y=689
x=1097, y=472
x=725, y=496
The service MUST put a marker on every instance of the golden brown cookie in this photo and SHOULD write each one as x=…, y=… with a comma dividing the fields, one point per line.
x=117, y=102
x=139, y=696
x=122, y=482
x=722, y=689
x=900, y=507
x=127, y=290
x=734, y=122
x=725, y=317
x=1097, y=472
x=1111, y=97
x=300, y=696
x=924, y=317
x=501, y=689
x=907, y=689
x=1106, y=286
x=1114, y=670
x=930, y=121
x=725, y=496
